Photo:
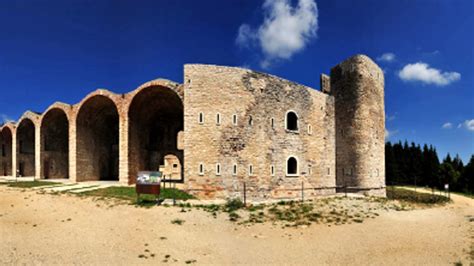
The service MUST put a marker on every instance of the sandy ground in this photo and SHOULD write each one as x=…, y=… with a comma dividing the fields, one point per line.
x=64, y=229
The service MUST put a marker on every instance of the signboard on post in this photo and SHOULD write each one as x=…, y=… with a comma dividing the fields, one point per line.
x=148, y=183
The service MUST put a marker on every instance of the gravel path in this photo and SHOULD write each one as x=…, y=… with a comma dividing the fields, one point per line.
x=65, y=229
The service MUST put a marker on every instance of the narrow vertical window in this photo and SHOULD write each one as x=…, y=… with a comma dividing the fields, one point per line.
x=310, y=129
x=218, y=169
x=329, y=171
x=201, y=118
x=272, y=122
x=250, y=120
x=234, y=169
x=201, y=169
x=310, y=169
x=250, y=169
x=272, y=170
x=234, y=119
x=218, y=119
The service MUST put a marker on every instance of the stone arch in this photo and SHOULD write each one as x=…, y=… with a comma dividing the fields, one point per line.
x=97, y=137
x=26, y=144
x=156, y=118
x=54, y=142
x=6, y=150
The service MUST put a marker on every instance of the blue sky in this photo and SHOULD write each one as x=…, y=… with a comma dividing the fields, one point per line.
x=62, y=50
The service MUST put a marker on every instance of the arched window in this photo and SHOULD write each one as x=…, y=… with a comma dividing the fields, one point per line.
x=291, y=121
x=292, y=167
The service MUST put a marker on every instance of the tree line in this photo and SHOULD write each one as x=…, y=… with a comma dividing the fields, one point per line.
x=410, y=164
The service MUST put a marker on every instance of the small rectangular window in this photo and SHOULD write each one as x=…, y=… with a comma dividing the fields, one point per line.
x=201, y=118
x=310, y=129
x=250, y=120
x=234, y=119
x=272, y=170
x=272, y=122
x=218, y=169
x=218, y=119
x=310, y=169
x=329, y=171
x=201, y=169
x=175, y=165
x=250, y=169
x=234, y=169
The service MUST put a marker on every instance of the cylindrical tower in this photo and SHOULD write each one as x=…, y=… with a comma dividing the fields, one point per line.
x=358, y=88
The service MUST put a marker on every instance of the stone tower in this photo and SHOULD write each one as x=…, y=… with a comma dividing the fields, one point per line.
x=358, y=88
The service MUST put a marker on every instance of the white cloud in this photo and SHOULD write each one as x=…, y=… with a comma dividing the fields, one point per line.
x=285, y=30
x=424, y=73
x=390, y=133
x=5, y=119
x=469, y=124
x=390, y=117
x=447, y=125
x=386, y=57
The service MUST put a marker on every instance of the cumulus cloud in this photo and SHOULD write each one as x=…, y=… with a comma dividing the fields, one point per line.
x=386, y=57
x=447, y=125
x=424, y=73
x=285, y=30
x=469, y=124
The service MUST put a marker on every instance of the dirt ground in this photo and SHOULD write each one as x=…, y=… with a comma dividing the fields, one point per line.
x=65, y=229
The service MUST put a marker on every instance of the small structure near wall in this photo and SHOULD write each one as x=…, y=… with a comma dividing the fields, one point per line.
x=172, y=168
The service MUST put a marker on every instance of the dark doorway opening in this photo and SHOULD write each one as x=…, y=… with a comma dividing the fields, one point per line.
x=97, y=140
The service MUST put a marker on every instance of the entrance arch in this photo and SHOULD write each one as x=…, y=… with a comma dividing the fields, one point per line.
x=6, y=136
x=25, y=148
x=55, y=144
x=155, y=119
x=97, y=129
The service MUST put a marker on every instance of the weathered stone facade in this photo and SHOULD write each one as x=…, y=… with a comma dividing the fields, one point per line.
x=223, y=131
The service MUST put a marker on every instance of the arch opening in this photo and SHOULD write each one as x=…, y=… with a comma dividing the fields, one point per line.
x=156, y=119
x=6, y=152
x=25, y=149
x=55, y=144
x=97, y=140
x=292, y=166
x=291, y=121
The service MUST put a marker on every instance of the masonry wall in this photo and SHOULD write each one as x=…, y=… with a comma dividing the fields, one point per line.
x=227, y=91
x=358, y=87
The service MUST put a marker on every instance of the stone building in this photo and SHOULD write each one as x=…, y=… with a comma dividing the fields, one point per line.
x=222, y=129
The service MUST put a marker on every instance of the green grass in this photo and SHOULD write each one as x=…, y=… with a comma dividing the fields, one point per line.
x=31, y=184
x=129, y=194
x=410, y=196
